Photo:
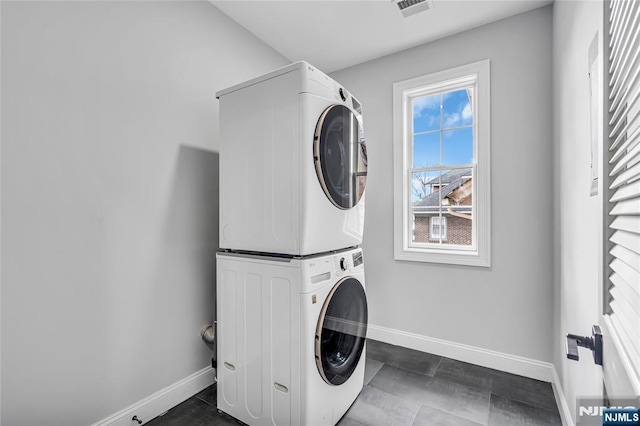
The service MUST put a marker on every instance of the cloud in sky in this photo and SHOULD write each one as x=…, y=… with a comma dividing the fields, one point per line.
x=466, y=111
x=451, y=120
x=425, y=103
x=442, y=111
x=463, y=116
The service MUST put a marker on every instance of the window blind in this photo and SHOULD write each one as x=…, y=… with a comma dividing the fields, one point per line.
x=623, y=302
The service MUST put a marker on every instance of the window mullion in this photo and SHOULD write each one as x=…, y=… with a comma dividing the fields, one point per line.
x=446, y=129
x=446, y=167
x=441, y=164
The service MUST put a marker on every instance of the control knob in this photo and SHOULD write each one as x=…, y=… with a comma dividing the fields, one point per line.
x=343, y=94
x=343, y=264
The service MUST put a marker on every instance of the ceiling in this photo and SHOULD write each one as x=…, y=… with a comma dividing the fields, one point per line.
x=335, y=34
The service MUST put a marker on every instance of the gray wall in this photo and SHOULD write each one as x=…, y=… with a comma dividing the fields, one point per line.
x=109, y=198
x=508, y=307
x=577, y=215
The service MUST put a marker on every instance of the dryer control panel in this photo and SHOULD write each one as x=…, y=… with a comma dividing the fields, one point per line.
x=357, y=258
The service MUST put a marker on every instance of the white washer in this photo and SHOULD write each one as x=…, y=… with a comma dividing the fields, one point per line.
x=293, y=164
x=291, y=337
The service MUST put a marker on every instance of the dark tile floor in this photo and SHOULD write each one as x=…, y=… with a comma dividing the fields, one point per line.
x=407, y=387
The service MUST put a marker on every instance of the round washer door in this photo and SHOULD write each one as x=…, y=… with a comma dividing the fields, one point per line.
x=341, y=331
x=340, y=156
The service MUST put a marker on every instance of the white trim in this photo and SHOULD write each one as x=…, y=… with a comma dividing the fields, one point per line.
x=152, y=406
x=481, y=254
x=561, y=401
x=514, y=364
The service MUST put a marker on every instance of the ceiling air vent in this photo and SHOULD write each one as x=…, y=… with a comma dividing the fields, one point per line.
x=411, y=7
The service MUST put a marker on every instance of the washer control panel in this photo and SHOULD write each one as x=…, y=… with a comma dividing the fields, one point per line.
x=323, y=269
x=345, y=262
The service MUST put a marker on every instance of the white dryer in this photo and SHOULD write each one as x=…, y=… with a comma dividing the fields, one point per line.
x=293, y=164
x=291, y=337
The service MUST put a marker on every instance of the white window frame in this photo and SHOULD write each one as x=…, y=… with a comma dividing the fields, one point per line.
x=442, y=223
x=479, y=253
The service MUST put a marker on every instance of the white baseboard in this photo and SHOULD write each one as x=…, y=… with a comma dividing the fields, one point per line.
x=161, y=401
x=473, y=355
x=561, y=401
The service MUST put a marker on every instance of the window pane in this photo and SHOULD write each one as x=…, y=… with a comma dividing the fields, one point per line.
x=426, y=150
x=457, y=206
x=443, y=215
x=456, y=109
x=427, y=205
x=457, y=146
x=424, y=184
x=426, y=113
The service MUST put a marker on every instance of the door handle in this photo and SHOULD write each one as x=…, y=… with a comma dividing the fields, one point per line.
x=593, y=342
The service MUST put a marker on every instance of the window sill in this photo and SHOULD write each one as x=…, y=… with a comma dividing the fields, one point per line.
x=465, y=258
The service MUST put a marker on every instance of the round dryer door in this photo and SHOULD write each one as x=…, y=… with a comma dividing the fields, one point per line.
x=341, y=332
x=340, y=156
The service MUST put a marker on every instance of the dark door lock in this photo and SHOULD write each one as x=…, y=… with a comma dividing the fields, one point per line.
x=593, y=342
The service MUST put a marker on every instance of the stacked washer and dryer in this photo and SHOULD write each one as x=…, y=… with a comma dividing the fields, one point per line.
x=291, y=304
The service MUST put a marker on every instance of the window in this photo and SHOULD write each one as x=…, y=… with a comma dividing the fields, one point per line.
x=441, y=167
x=438, y=228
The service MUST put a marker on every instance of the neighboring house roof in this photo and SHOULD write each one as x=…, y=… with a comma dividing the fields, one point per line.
x=450, y=182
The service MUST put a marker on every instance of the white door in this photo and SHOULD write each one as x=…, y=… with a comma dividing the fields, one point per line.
x=578, y=233
x=620, y=319
x=583, y=295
